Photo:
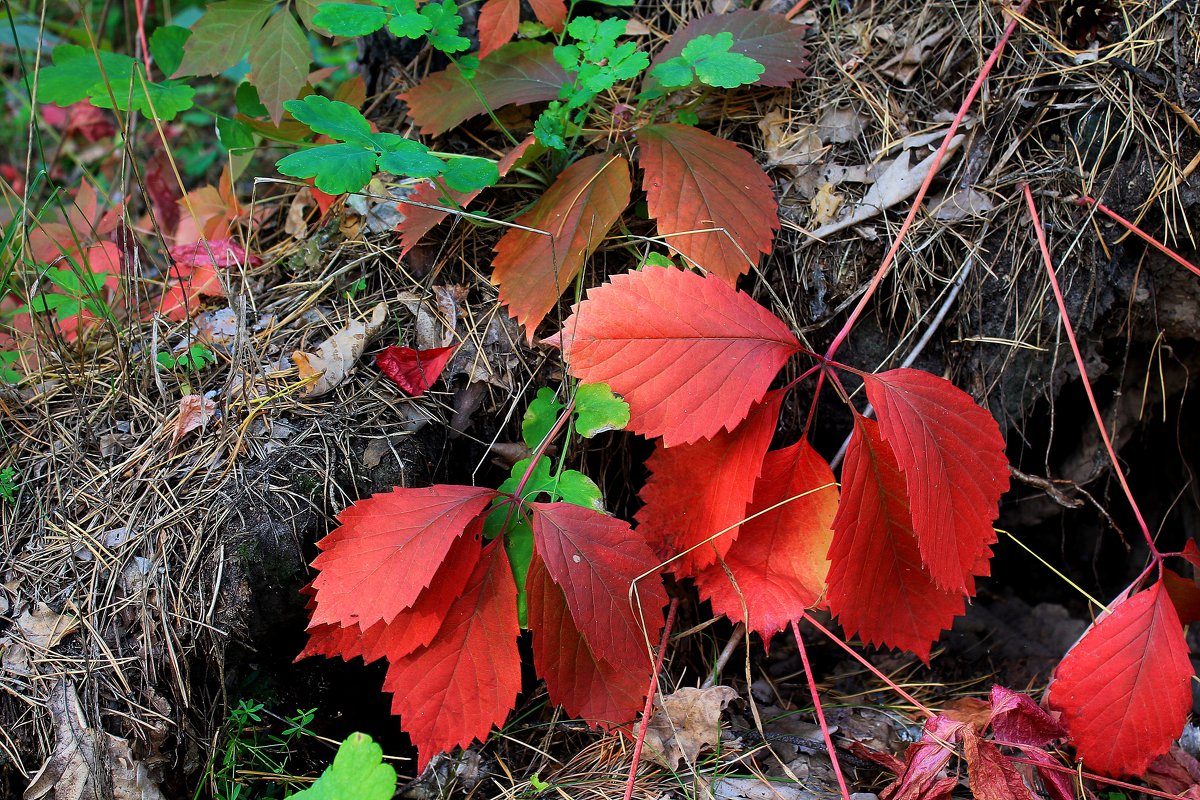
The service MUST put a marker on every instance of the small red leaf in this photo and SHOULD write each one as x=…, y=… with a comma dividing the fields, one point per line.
x=770, y=39
x=698, y=490
x=952, y=455
x=551, y=13
x=688, y=353
x=498, y=20
x=223, y=253
x=584, y=684
x=712, y=201
x=779, y=558
x=1124, y=689
x=1059, y=785
x=992, y=775
x=595, y=559
x=1184, y=594
x=1016, y=719
x=387, y=550
x=577, y=211
x=924, y=761
x=466, y=681
x=414, y=371
x=877, y=584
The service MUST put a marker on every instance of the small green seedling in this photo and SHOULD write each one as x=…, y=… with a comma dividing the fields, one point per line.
x=196, y=356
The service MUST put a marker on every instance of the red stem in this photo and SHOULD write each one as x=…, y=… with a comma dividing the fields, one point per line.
x=812, y=689
x=933, y=168
x=1087, y=385
x=649, y=707
x=1129, y=226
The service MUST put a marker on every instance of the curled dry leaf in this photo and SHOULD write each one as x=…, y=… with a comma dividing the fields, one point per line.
x=686, y=722
x=194, y=412
x=43, y=628
x=329, y=367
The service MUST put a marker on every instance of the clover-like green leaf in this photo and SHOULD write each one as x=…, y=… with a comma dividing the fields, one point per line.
x=597, y=410
x=332, y=118
x=540, y=417
x=350, y=19
x=715, y=65
x=470, y=174
x=357, y=771
x=336, y=168
x=410, y=158
x=445, y=22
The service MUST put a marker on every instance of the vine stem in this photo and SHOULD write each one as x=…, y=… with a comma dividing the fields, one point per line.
x=1134, y=229
x=1087, y=384
x=812, y=690
x=890, y=258
x=649, y=707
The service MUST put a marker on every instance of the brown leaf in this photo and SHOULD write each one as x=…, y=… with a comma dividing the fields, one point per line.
x=43, y=628
x=194, y=412
x=331, y=364
x=687, y=721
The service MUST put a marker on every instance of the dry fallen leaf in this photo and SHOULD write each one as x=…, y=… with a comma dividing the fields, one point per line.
x=194, y=412
x=962, y=204
x=43, y=627
x=688, y=721
x=337, y=355
x=295, y=225
x=904, y=66
x=825, y=204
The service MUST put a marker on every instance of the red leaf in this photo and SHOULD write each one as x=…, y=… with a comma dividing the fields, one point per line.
x=992, y=775
x=952, y=454
x=519, y=72
x=414, y=371
x=697, y=490
x=1124, y=689
x=387, y=550
x=877, y=584
x=770, y=39
x=551, y=13
x=595, y=558
x=498, y=20
x=224, y=253
x=1058, y=784
x=1016, y=719
x=924, y=761
x=584, y=684
x=688, y=353
x=419, y=220
x=698, y=182
x=533, y=269
x=466, y=681
x=1174, y=772
x=1184, y=594
x=163, y=189
x=779, y=558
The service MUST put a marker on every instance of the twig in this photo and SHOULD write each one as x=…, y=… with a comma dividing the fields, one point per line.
x=816, y=698
x=1134, y=229
x=735, y=638
x=649, y=707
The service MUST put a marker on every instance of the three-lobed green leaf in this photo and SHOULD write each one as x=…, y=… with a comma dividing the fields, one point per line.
x=708, y=58
x=108, y=79
x=357, y=771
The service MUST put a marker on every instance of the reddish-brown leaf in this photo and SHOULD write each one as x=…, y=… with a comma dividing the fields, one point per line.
x=162, y=188
x=1058, y=784
x=688, y=353
x=519, y=72
x=551, y=13
x=924, y=762
x=584, y=684
x=770, y=39
x=1018, y=720
x=992, y=775
x=414, y=371
x=466, y=681
x=498, y=20
x=711, y=200
x=878, y=587
x=577, y=211
x=698, y=490
x=779, y=558
x=1124, y=689
x=595, y=559
x=387, y=550
x=952, y=455
x=419, y=219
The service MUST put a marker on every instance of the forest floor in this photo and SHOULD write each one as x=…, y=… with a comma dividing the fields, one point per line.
x=164, y=477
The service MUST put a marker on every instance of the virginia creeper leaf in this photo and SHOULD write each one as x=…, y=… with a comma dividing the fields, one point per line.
x=577, y=211
x=1017, y=719
x=223, y=35
x=878, y=587
x=414, y=371
x=387, y=549
x=357, y=771
x=992, y=775
x=779, y=558
x=466, y=681
x=518, y=72
x=921, y=777
x=551, y=13
x=712, y=202
x=1124, y=689
x=498, y=20
x=952, y=455
x=770, y=39
x=594, y=559
x=698, y=490
x=1184, y=594
x=688, y=353
x=584, y=684
x=279, y=60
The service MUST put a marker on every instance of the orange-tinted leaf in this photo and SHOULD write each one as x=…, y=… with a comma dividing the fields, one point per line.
x=878, y=587
x=414, y=371
x=466, y=681
x=779, y=558
x=595, y=558
x=698, y=490
x=194, y=413
x=498, y=20
x=584, y=684
x=1016, y=719
x=551, y=13
x=519, y=72
x=952, y=455
x=770, y=39
x=533, y=269
x=992, y=775
x=1124, y=689
x=688, y=353
x=698, y=182
x=387, y=550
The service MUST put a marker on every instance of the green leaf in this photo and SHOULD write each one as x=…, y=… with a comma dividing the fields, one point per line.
x=410, y=159
x=470, y=174
x=279, y=61
x=518, y=546
x=674, y=73
x=579, y=490
x=337, y=168
x=716, y=66
x=357, y=772
x=658, y=260
x=77, y=70
x=333, y=118
x=597, y=410
x=166, y=47
x=550, y=129
x=540, y=417
x=412, y=25
x=234, y=135
x=349, y=19
x=445, y=24
x=247, y=102
x=223, y=35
